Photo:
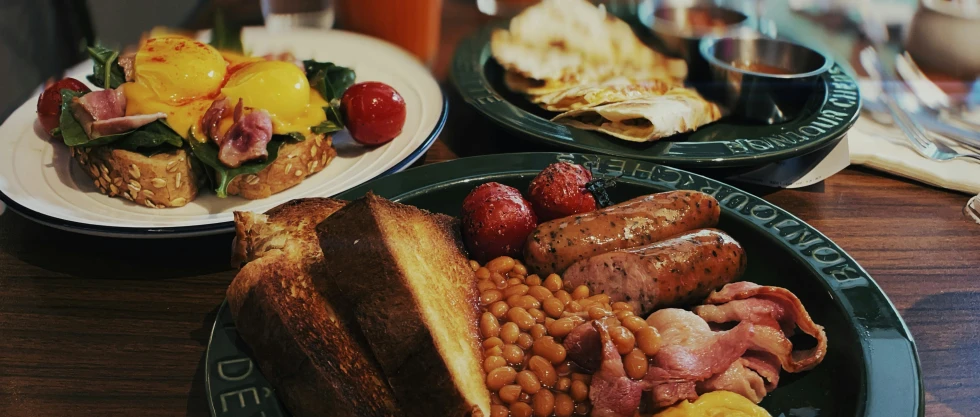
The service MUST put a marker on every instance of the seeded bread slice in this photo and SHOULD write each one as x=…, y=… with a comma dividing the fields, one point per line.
x=296, y=161
x=168, y=179
x=414, y=296
x=317, y=361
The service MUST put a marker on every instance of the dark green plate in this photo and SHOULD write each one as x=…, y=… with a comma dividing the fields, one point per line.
x=871, y=367
x=829, y=113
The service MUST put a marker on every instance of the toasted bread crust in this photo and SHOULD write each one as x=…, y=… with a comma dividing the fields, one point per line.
x=365, y=247
x=317, y=360
x=296, y=161
x=163, y=180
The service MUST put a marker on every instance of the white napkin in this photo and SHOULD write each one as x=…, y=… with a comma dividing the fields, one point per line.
x=885, y=148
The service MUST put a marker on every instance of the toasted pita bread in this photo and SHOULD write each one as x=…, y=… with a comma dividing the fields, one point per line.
x=646, y=119
x=561, y=40
x=595, y=94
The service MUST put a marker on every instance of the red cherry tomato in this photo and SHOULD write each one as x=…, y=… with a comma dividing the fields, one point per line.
x=559, y=191
x=49, y=104
x=496, y=221
x=373, y=112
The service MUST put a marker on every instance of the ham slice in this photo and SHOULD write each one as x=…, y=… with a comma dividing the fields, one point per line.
x=246, y=140
x=613, y=394
x=103, y=113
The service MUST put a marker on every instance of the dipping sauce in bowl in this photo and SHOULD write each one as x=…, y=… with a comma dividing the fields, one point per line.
x=700, y=18
x=761, y=80
x=678, y=26
x=761, y=68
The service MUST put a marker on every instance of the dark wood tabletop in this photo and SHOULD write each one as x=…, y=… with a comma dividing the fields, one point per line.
x=97, y=327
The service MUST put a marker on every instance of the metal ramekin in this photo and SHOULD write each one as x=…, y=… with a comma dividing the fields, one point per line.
x=761, y=97
x=665, y=20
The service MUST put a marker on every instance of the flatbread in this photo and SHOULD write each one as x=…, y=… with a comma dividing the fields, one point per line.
x=562, y=40
x=646, y=119
x=596, y=94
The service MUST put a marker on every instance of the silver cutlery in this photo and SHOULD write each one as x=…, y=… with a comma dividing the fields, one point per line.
x=935, y=100
x=915, y=133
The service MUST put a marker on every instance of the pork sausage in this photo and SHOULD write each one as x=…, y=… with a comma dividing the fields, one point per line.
x=678, y=270
x=555, y=245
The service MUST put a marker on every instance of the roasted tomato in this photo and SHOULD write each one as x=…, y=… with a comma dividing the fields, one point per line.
x=373, y=112
x=49, y=104
x=496, y=221
x=561, y=190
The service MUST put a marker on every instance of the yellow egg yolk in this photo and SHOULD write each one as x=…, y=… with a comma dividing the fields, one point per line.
x=281, y=89
x=716, y=404
x=177, y=76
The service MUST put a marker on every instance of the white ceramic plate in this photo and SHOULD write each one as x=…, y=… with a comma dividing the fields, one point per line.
x=39, y=179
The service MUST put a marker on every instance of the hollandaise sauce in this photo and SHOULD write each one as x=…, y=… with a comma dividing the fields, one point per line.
x=182, y=77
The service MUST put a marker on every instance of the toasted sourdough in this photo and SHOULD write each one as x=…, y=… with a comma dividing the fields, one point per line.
x=317, y=361
x=415, y=298
x=168, y=179
x=296, y=161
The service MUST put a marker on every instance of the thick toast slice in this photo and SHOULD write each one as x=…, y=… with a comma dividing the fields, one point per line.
x=415, y=298
x=319, y=364
x=167, y=179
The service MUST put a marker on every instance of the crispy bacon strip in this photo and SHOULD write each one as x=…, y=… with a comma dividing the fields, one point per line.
x=775, y=308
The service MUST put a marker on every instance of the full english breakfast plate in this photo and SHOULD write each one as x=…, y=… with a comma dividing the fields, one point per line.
x=551, y=284
x=169, y=138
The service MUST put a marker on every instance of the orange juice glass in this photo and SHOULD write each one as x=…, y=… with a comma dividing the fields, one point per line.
x=411, y=24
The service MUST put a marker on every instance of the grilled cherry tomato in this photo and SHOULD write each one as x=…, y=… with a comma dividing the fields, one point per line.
x=496, y=221
x=373, y=112
x=49, y=104
x=561, y=190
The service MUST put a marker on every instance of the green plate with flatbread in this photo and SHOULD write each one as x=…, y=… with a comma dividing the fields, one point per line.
x=830, y=111
x=871, y=368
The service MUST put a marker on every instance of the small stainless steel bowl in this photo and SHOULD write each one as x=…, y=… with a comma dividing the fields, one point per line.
x=680, y=26
x=756, y=96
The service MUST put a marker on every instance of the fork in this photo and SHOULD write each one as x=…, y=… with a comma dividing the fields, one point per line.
x=917, y=136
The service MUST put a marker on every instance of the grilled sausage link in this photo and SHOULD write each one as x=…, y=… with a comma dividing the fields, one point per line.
x=555, y=245
x=675, y=271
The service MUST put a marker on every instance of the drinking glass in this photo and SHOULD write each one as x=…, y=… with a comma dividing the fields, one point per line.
x=282, y=15
x=411, y=24
x=503, y=8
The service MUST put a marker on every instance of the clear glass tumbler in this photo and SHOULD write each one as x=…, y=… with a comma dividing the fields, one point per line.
x=503, y=8
x=283, y=15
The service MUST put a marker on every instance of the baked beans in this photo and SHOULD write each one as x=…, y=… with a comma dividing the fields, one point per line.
x=520, y=409
x=543, y=370
x=498, y=410
x=525, y=319
x=635, y=363
x=543, y=403
x=498, y=378
x=529, y=382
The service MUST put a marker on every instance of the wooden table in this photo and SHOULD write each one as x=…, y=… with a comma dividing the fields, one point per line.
x=97, y=327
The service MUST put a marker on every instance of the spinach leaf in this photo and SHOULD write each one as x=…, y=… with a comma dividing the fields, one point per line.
x=225, y=36
x=151, y=135
x=333, y=123
x=329, y=79
x=71, y=131
x=106, y=72
x=293, y=136
x=208, y=154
